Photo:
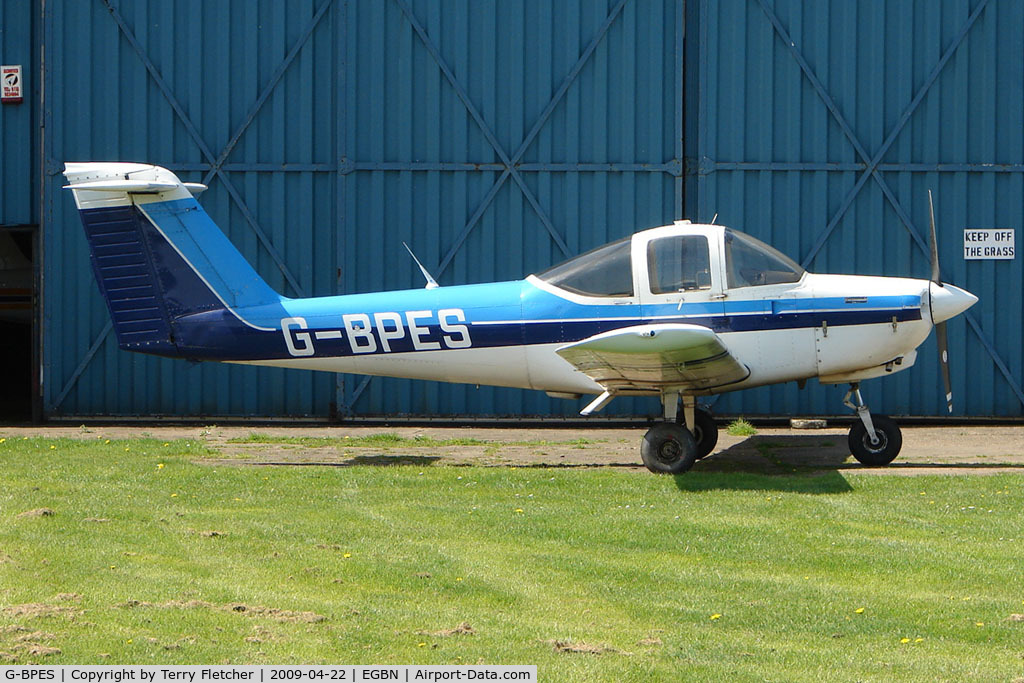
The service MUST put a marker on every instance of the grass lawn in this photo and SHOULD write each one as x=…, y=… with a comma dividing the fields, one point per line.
x=136, y=552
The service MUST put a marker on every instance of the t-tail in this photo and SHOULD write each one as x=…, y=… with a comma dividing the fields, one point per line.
x=174, y=283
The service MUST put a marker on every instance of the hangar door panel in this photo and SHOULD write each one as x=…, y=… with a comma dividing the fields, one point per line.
x=495, y=138
x=821, y=128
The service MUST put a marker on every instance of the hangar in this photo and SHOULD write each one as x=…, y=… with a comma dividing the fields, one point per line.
x=497, y=139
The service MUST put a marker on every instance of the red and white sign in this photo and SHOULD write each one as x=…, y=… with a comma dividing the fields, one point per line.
x=11, y=86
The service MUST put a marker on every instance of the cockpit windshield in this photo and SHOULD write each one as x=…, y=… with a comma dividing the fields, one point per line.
x=606, y=271
x=749, y=262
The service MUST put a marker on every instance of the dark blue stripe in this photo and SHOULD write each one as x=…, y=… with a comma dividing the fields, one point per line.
x=218, y=335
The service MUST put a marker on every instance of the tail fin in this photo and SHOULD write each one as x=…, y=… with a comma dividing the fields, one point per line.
x=157, y=255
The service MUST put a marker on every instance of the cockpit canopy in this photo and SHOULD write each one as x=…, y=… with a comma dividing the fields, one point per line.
x=605, y=271
x=679, y=261
x=749, y=262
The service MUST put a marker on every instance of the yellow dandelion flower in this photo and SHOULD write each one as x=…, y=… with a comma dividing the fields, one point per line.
x=918, y=640
x=904, y=640
x=417, y=644
x=715, y=616
x=167, y=444
x=174, y=495
x=53, y=448
x=2, y=440
x=519, y=509
x=979, y=623
x=107, y=441
x=129, y=641
x=859, y=610
x=159, y=465
x=347, y=555
x=458, y=578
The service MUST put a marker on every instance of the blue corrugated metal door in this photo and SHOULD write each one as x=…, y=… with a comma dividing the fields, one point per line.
x=819, y=127
x=494, y=138
x=19, y=175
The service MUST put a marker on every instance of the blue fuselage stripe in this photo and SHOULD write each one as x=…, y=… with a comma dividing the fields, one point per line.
x=534, y=328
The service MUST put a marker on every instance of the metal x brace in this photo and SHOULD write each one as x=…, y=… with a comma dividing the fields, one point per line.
x=215, y=164
x=510, y=164
x=872, y=164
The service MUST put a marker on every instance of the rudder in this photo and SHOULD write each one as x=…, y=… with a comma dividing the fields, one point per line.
x=156, y=254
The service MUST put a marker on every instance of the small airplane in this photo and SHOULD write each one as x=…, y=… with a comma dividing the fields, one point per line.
x=678, y=311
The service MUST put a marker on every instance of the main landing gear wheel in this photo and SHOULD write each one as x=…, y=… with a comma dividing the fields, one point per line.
x=889, y=440
x=668, y=448
x=705, y=431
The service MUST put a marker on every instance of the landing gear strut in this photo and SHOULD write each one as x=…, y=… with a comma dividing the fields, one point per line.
x=873, y=440
x=670, y=447
x=704, y=430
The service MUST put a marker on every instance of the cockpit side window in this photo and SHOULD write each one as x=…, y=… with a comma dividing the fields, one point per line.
x=606, y=272
x=678, y=264
x=749, y=262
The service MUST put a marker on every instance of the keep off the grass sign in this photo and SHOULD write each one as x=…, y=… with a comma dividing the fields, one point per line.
x=989, y=244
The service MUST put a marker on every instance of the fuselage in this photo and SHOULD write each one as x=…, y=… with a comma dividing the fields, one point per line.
x=675, y=311
x=177, y=287
x=835, y=327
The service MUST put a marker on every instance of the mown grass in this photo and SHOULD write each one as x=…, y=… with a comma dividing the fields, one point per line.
x=150, y=558
x=389, y=440
x=380, y=440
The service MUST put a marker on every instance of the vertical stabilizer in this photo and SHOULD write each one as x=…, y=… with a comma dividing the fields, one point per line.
x=157, y=255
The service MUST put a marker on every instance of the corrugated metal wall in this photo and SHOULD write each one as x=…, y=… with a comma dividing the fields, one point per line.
x=19, y=123
x=495, y=138
x=819, y=127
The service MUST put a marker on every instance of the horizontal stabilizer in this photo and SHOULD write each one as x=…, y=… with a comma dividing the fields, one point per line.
x=133, y=186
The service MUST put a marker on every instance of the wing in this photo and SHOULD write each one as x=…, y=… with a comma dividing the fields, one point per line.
x=656, y=357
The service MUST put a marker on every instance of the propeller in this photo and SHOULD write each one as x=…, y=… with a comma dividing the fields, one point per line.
x=940, y=327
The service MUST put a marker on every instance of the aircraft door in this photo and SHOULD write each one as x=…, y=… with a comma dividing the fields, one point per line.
x=678, y=280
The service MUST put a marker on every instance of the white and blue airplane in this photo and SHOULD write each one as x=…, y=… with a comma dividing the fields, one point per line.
x=679, y=311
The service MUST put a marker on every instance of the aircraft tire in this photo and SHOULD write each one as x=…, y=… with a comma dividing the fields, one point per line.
x=705, y=431
x=882, y=453
x=668, y=448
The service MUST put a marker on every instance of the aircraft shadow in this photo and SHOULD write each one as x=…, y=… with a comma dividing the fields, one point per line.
x=811, y=463
x=382, y=460
x=791, y=464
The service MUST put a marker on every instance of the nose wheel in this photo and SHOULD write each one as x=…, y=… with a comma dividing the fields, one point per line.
x=874, y=440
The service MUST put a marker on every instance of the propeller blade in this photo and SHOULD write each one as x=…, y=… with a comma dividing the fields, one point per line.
x=940, y=327
x=940, y=337
x=935, y=244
